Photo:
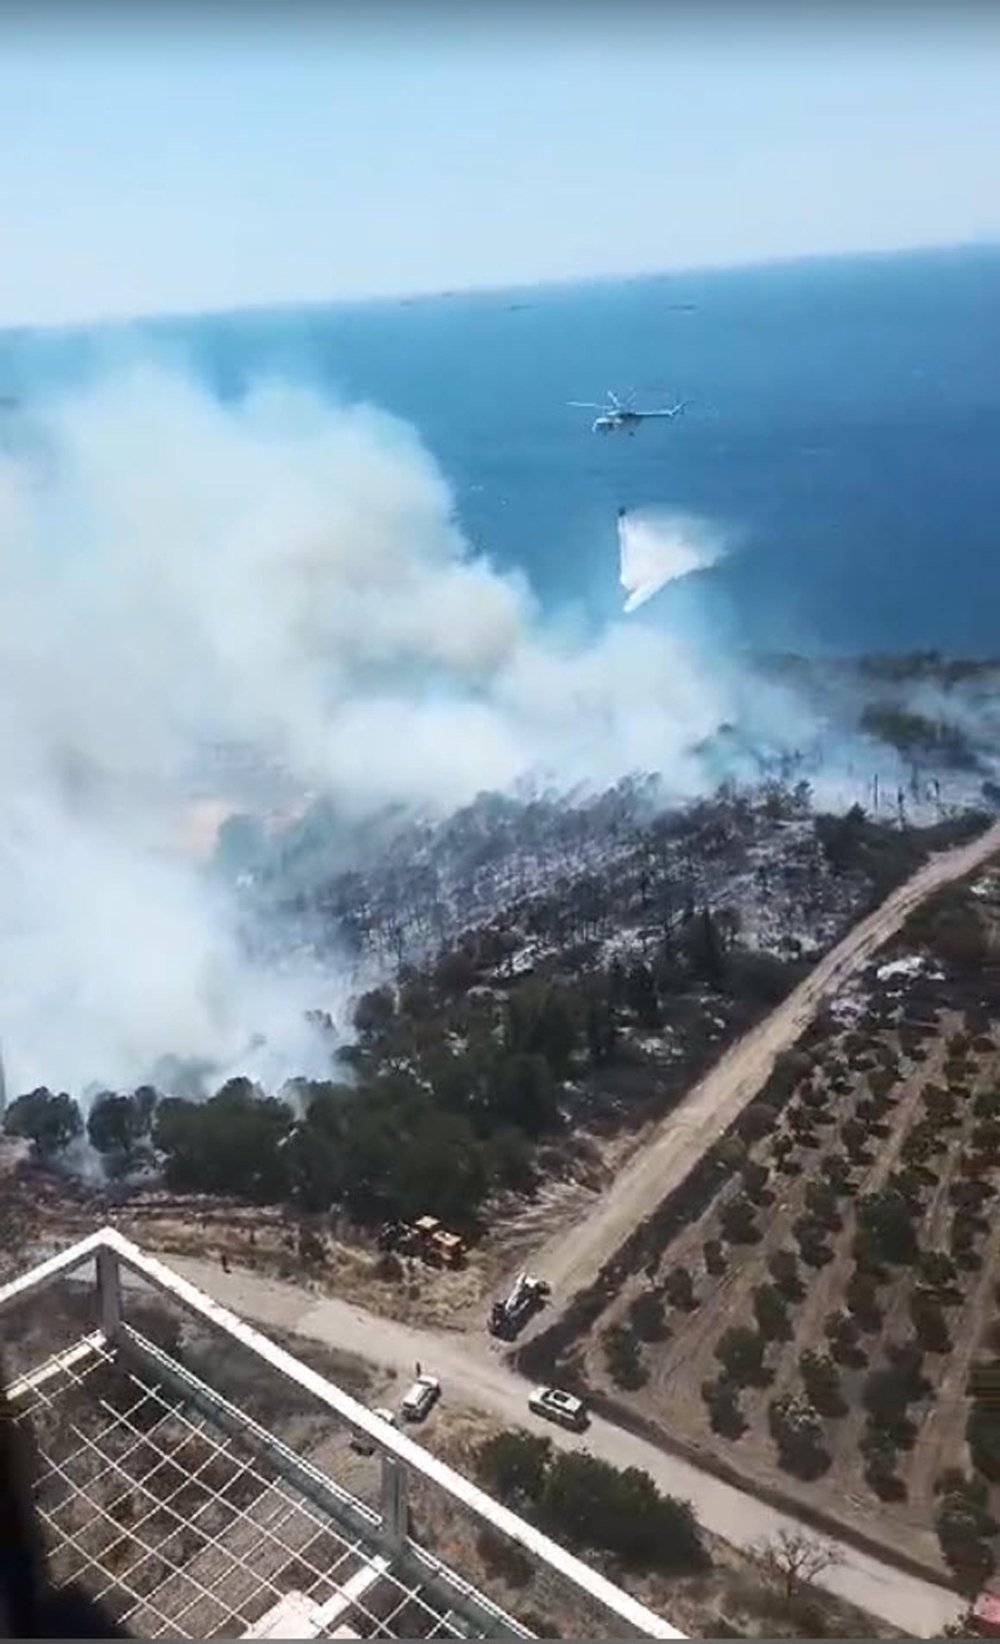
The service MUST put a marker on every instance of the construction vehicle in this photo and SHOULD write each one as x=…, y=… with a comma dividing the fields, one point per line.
x=527, y=1294
x=426, y=1239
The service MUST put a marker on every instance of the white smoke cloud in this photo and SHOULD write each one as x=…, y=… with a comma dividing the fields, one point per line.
x=657, y=548
x=288, y=577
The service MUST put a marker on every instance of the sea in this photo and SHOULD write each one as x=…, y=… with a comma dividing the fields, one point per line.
x=841, y=433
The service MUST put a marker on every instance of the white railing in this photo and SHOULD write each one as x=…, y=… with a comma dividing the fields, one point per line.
x=110, y=1253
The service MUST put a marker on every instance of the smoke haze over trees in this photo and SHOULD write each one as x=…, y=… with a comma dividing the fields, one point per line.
x=280, y=579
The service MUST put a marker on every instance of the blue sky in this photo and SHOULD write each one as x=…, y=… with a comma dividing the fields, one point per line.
x=208, y=159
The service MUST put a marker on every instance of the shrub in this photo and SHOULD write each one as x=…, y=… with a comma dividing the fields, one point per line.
x=723, y=1400
x=821, y=1380
x=755, y=1179
x=771, y=1313
x=514, y=1466
x=886, y=1218
x=678, y=1289
x=861, y=1296
x=715, y=1256
x=738, y=1220
x=623, y=1358
x=741, y=1353
x=798, y=1433
x=783, y=1267
x=589, y=1503
x=646, y=1317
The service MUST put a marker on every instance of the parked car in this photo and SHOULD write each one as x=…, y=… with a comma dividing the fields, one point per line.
x=555, y=1405
x=361, y=1443
x=421, y=1398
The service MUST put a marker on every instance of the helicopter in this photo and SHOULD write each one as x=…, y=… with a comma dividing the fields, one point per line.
x=615, y=415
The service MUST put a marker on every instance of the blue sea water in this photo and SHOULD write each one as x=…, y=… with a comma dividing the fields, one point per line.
x=843, y=427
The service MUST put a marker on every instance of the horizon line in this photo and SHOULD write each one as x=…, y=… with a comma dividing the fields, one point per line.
x=546, y=285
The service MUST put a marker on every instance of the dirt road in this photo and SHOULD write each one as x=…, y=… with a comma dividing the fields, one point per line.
x=476, y=1375
x=572, y=1259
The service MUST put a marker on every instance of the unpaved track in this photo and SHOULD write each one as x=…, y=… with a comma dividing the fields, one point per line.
x=572, y=1260
x=474, y=1374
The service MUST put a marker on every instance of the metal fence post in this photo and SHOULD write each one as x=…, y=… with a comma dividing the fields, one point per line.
x=109, y=1292
x=395, y=1513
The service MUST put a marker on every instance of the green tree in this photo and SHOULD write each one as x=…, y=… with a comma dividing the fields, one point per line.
x=959, y=1525
x=523, y=1093
x=741, y=1353
x=836, y=1169
x=589, y=1503
x=862, y=1298
x=811, y=1236
x=642, y=997
x=624, y=1360
x=738, y=1220
x=541, y=1022
x=115, y=1126
x=49, y=1122
x=782, y=1150
x=938, y=1269
x=783, y=1267
x=841, y=838
x=455, y=972
x=602, y=1032
x=438, y=1169
x=889, y=1390
x=771, y=1313
x=679, y=1289
x=887, y=1219
x=755, y=1179
x=881, y=1453
x=508, y=1160
x=842, y=1333
x=233, y=1143
x=373, y=1012
x=514, y=1467
x=821, y=1201
x=929, y=1324
x=722, y=1398
x=757, y=1121
x=715, y=1256
x=313, y=1166
x=854, y=1136
x=798, y=1434
x=704, y=950
x=982, y=1432
x=646, y=1317
x=821, y=1380
x=558, y=1032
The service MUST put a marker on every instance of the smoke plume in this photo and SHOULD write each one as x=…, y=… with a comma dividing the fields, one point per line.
x=283, y=579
